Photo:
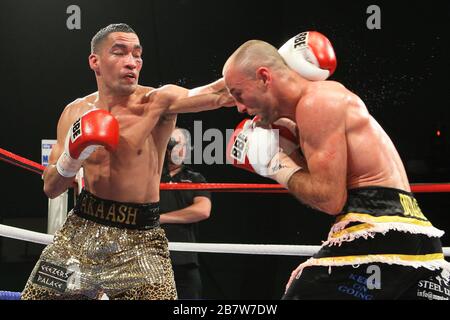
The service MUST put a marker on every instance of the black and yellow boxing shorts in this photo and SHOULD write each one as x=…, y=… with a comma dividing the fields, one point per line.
x=380, y=228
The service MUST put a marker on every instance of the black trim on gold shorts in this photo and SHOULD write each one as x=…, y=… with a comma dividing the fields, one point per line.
x=117, y=214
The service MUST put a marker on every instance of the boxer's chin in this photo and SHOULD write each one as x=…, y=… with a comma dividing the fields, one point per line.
x=267, y=119
x=264, y=121
x=126, y=89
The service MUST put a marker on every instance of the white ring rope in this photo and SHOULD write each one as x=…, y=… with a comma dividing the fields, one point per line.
x=25, y=235
x=269, y=249
x=273, y=249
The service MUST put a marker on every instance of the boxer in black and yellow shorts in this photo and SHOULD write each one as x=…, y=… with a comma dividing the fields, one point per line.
x=381, y=247
x=105, y=247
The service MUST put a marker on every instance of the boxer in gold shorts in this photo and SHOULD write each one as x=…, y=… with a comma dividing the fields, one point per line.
x=111, y=244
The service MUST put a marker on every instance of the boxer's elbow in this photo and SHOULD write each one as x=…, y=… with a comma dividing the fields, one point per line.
x=326, y=197
x=51, y=192
x=54, y=183
x=333, y=203
x=332, y=208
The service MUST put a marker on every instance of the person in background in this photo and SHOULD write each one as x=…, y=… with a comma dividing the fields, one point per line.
x=181, y=210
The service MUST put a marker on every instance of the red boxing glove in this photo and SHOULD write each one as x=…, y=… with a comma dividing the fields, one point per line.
x=95, y=128
x=311, y=55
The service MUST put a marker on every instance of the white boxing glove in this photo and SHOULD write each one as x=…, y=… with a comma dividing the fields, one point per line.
x=310, y=54
x=257, y=149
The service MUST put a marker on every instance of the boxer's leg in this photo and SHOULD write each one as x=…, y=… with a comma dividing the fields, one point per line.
x=159, y=286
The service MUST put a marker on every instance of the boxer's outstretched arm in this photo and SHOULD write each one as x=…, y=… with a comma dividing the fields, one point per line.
x=212, y=87
x=323, y=184
x=54, y=183
x=208, y=97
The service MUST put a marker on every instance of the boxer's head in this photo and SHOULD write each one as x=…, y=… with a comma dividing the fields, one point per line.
x=249, y=75
x=116, y=59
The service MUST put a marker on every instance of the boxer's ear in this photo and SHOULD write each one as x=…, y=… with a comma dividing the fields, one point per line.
x=263, y=74
x=93, y=63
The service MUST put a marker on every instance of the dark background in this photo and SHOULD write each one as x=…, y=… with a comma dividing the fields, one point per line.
x=399, y=71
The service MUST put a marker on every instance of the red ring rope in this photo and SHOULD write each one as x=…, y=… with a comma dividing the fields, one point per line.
x=214, y=187
x=20, y=162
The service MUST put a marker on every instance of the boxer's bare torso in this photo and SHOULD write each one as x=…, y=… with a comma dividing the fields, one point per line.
x=132, y=172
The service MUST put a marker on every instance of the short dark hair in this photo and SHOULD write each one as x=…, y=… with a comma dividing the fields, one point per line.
x=103, y=33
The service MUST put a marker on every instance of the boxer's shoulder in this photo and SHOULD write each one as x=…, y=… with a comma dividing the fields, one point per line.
x=172, y=92
x=323, y=100
x=163, y=95
x=324, y=93
x=144, y=90
x=79, y=106
x=326, y=89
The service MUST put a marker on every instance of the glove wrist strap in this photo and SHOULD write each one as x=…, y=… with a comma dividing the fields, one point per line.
x=67, y=166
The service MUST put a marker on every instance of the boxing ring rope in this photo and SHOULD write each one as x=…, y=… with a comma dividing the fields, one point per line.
x=267, y=249
x=261, y=249
x=35, y=167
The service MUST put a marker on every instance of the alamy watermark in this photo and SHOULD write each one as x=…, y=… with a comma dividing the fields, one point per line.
x=211, y=146
x=374, y=280
x=374, y=20
x=73, y=21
